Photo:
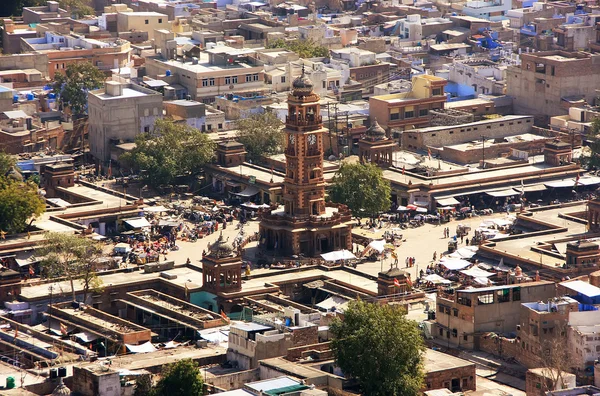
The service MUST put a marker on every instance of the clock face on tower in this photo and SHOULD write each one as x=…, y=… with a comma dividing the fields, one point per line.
x=312, y=139
x=292, y=138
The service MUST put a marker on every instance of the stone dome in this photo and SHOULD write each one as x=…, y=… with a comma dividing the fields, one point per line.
x=61, y=389
x=302, y=86
x=376, y=131
x=221, y=248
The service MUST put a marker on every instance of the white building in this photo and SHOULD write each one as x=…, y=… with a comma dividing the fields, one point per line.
x=493, y=10
x=583, y=338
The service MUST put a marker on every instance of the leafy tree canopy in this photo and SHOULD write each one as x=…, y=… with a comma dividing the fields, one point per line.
x=593, y=157
x=19, y=200
x=15, y=7
x=73, y=86
x=304, y=48
x=182, y=378
x=77, y=8
x=261, y=135
x=72, y=256
x=171, y=150
x=361, y=187
x=376, y=345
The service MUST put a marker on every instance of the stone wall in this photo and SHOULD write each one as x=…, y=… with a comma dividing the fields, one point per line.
x=447, y=136
x=235, y=380
x=25, y=61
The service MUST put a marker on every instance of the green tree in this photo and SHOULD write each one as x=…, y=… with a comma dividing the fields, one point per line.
x=77, y=8
x=15, y=7
x=74, y=257
x=19, y=200
x=182, y=378
x=73, y=86
x=143, y=386
x=592, y=159
x=304, y=48
x=261, y=135
x=380, y=348
x=362, y=188
x=169, y=151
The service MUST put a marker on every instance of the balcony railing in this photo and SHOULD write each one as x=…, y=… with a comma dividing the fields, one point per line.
x=304, y=122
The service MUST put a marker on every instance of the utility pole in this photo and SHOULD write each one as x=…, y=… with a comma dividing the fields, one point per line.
x=482, y=152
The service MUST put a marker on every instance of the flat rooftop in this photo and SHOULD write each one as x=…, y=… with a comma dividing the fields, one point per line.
x=203, y=65
x=437, y=361
x=193, y=279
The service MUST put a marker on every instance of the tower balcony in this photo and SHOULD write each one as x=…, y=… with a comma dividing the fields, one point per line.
x=309, y=121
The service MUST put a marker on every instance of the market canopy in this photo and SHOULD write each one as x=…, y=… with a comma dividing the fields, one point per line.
x=436, y=279
x=477, y=273
x=509, y=192
x=561, y=183
x=139, y=222
x=378, y=245
x=155, y=209
x=338, y=255
x=249, y=191
x=447, y=201
x=86, y=336
x=454, y=264
x=144, y=348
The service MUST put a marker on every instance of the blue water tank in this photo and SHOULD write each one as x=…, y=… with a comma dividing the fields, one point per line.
x=168, y=73
x=47, y=87
x=15, y=98
x=30, y=96
x=51, y=95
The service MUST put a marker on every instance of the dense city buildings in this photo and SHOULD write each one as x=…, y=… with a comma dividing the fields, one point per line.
x=234, y=179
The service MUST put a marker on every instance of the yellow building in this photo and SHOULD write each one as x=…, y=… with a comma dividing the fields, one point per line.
x=410, y=109
x=142, y=21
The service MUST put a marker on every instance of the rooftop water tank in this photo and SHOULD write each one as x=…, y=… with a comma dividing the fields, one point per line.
x=30, y=96
x=168, y=73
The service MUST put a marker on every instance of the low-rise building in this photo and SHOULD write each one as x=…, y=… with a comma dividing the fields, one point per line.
x=408, y=110
x=63, y=50
x=441, y=136
x=214, y=72
x=117, y=113
x=546, y=84
x=142, y=21
x=462, y=316
x=195, y=114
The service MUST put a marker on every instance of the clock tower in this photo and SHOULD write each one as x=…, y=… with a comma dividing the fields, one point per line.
x=304, y=186
x=306, y=224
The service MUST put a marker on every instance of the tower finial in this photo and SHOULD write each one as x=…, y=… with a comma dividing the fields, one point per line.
x=302, y=69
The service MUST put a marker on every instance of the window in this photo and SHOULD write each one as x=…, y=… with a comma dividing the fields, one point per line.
x=324, y=84
x=227, y=80
x=423, y=112
x=451, y=132
x=465, y=337
x=409, y=114
x=146, y=129
x=234, y=80
x=503, y=295
x=517, y=294
x=337, y=83
x=211, y=82
x=433, y=134
x=159, y=20
x=220, y=126
x=437, y=92
x=395, y=116
x=282, y=79
x=455, y=312
x=205, y=82
x=209, y=127
x=248, y=77
x=501, y=125
x=255, y=77
x=146, y=22
x=487, y=298
x=454, y=333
